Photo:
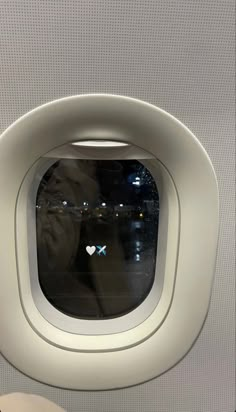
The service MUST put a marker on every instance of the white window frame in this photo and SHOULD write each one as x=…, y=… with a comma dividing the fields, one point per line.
x=157, y=342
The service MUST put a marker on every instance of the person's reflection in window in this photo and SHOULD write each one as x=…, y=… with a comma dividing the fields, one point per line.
x=84, y=203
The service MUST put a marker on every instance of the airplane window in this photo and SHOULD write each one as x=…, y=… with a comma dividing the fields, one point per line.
x=97, y=227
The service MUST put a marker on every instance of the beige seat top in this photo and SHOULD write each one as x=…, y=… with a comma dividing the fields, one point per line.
x=22, y=402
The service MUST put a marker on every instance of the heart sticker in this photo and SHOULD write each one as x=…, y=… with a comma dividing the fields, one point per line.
x=90, y=250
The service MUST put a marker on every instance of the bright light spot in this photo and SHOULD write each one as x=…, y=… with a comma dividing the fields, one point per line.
x=64, y=202
x=140, y=214
x=136, y=183
x=103, y=204
x=137, y=178
x=121, y=205
x=85, y=203
x=117, y=214
x=137, y=257
x=101, y=143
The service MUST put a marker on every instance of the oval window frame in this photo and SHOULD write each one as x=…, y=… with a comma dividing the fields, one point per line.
x=122, y=119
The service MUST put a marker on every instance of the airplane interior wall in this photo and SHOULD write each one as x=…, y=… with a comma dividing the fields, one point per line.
x=178, y=55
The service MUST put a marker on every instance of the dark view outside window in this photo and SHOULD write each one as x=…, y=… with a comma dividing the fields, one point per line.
x=97, y=225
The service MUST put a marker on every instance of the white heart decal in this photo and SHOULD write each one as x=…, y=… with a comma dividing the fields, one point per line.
x=90, y=250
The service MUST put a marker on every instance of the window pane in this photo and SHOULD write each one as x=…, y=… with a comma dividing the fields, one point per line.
x=97, y=225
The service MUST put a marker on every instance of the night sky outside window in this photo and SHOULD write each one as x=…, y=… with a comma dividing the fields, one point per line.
x=97, y=226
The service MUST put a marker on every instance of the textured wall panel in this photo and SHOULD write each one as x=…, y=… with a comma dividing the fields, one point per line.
x=178, y=55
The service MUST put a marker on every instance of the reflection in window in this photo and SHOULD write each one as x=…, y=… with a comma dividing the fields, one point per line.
x=97, y=225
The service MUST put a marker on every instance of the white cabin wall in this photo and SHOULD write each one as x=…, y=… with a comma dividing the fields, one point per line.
x=178, y=55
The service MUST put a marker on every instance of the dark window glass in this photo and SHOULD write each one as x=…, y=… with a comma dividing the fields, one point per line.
x=97, y=225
